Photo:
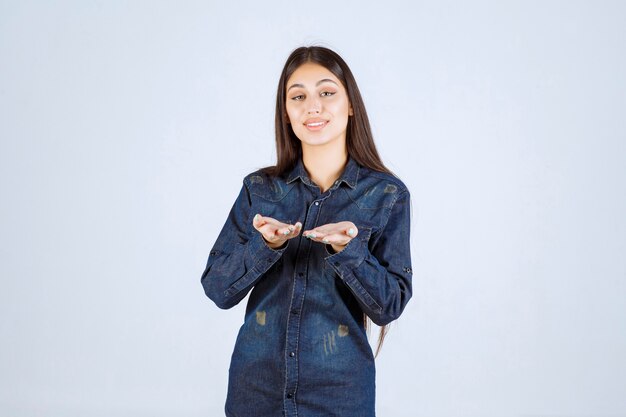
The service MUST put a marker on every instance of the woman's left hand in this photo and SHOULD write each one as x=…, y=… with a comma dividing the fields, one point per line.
x=335, y=234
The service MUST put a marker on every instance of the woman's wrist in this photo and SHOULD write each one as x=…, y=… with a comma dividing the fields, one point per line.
x=274, y=245
x=337, y=248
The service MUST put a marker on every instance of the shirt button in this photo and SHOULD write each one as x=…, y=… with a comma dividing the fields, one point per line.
x=317, y=203
x=292, y=354
x=289, y=395
x=294, y=312
x=300, y=274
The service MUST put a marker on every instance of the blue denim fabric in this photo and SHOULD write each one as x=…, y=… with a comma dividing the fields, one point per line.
x=302, y=349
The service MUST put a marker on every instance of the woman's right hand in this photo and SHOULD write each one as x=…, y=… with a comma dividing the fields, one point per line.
x=274, y=232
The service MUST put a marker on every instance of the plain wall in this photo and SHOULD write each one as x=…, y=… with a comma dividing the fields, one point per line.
x=127, y=127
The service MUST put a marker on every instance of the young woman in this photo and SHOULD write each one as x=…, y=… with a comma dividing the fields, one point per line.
x=322, y=240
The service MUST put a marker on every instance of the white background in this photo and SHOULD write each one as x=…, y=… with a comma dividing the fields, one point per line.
x=127, y=127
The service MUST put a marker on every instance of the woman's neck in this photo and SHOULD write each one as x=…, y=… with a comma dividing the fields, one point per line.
x=324, y=165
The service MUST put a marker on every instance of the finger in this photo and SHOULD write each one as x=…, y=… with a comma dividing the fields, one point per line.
x=320, y=232
x=294, y=231
x=311, y=234
x=268, y=225
x=336, y=239
x=352, y=231
x=323, y=236
x=258, y=218
x=258, y=221
x=318, y=236
x=288, y=229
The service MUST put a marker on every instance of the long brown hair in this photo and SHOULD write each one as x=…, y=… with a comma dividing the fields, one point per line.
x=359, y=140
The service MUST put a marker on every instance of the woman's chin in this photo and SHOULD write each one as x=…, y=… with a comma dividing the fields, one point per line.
x=316, y=141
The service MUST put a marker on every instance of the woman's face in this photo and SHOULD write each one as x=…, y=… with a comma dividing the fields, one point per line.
x=317, y=105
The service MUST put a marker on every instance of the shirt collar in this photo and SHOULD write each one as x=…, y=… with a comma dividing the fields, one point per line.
x=349, y=175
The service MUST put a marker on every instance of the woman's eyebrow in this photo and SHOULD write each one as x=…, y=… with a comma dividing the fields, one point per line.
x=316, y=84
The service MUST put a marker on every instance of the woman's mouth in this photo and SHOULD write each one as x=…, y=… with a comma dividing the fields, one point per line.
x=316, y=125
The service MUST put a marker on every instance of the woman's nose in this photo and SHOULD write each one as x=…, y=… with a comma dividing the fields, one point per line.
x=314, y=107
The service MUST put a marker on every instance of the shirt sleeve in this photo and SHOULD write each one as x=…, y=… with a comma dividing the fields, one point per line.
x=239, y=257
x=379, y=275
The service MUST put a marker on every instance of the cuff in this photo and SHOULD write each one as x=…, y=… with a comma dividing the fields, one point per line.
x=261, y=255
x=350, y=257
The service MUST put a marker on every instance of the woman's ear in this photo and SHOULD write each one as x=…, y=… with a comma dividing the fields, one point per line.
x=287, y=119
x=350, y=112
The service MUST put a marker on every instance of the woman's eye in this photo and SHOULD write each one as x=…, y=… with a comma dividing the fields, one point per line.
x=323, y=94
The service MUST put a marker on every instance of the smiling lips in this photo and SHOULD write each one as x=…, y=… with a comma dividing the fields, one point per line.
x=315, y=124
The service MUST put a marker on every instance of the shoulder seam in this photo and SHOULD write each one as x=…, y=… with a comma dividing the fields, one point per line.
x=388, y=177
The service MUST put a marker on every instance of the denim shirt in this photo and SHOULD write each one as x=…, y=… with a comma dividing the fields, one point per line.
x=303, y=349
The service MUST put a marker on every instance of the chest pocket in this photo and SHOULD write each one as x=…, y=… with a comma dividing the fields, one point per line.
x=270, y=189
x=270, y=197
x=374, y=195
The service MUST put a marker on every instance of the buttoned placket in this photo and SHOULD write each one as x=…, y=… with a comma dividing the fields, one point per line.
x=297, y=299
